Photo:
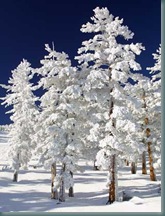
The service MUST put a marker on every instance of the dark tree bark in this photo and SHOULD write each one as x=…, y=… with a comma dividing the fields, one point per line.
x=71, y=193
x=15, y=176
x=112, y=185
x=126, y=162
x=133, y=168
x=112, y=167
x=152, y=171
x=94, y=166
x=144, y=167
x=149, y=145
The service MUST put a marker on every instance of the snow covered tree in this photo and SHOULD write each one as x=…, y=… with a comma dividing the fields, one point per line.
x=109, y=64
x=57, y=131
x=137, y=113
x=153, y=120
x=156, y=69
x=149, y=117
x=147, y=125
x=22, y=101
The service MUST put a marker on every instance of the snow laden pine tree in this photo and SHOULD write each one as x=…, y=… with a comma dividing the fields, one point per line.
x=109, y=64
x=138, y=92
x=24, y=112
x=148, y=91
x=127, y=125
x=153, y=117
x=57, y=131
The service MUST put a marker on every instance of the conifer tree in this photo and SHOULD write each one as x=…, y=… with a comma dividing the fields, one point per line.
x=153, y=131
x=24, y=114
x=109, y=64
x=58, y=127
x=148, y=116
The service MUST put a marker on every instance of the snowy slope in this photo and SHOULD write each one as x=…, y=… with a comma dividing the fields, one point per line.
x=32, y=192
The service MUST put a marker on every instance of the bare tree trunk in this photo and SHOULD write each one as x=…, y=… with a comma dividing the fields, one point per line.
x=112, y=188
x=71, y=193
x=149, y=144
x=152, y=171
x=133, y=168
x=126, y=162
x=54, y=193
x=15, y=176
x=62, y=185
x=112, y=167
x=95, y=167
x=144, y=167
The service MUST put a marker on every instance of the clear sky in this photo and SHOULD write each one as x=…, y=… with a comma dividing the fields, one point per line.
x=26, y=25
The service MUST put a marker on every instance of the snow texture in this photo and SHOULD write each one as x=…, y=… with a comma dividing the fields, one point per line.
x=32, y=191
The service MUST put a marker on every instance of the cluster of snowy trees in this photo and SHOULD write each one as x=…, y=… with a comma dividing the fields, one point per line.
x=103, y=109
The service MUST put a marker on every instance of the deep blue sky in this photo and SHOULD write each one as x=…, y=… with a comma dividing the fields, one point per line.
x=26, y=25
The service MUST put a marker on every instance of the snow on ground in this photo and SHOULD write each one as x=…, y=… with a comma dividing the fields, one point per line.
x=32, y=192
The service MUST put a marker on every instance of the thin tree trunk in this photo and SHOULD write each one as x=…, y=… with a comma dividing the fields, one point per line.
x=144, y=167
x=112, y=188
x=15, y=176
x=149, y=144
x=62, y=185
x=71, y=193
x=95, y=167
x=126, y=162
x=133, y=168
x=54, y=193
x=152, y=171
x=112, y=167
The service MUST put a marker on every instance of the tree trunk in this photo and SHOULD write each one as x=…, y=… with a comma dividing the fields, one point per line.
x=112, y=167
x=144, y=167
x=95, y=167
x=148, y=134
x=152, y=171
x=17, y=166
x=71, y=193
x=133, y=168
x=126, y=162
x=62, y=185
x=15, y=176
x=54, y=193
x=149, y=144
x=112, y=188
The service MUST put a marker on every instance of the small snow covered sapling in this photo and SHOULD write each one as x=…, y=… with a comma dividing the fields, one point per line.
x=24, y=116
